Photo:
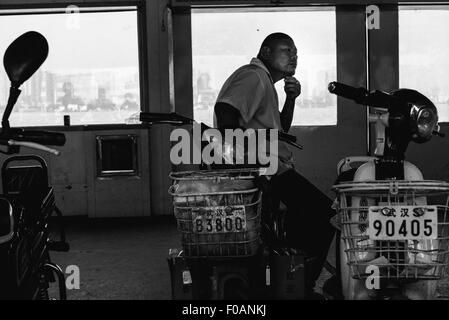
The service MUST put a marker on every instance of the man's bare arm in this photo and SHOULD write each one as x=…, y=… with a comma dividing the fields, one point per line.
x=287, y=114
x=292, y=89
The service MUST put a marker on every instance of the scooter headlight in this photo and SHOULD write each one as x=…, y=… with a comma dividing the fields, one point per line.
x=6, y=221
x=426, y=123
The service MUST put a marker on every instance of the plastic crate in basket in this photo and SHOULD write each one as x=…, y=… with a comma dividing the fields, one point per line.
x=217, y=212
x=400, y=226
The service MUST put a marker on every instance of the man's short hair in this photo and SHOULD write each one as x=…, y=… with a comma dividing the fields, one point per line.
x=272, y=39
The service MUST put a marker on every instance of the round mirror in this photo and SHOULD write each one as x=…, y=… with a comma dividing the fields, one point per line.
x=24, y=56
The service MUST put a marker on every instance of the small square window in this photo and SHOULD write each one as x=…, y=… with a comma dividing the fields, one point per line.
x=117, y=155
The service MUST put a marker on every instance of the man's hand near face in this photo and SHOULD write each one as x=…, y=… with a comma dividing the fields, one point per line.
x=292, y=88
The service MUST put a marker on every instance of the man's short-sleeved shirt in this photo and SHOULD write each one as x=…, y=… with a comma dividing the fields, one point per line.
x=250, y=89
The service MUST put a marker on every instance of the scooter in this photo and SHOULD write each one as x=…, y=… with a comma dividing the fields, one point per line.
x=232, y=232
x=394, y=225
x=27, y=203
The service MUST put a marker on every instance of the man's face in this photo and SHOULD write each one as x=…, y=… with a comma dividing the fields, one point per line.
x=284, y=57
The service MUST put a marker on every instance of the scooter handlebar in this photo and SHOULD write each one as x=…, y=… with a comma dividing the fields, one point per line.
x=49, y=138
x=33, y=145
x=170, y=118
x=378, y=99
x=35, y=139
x=348, y=92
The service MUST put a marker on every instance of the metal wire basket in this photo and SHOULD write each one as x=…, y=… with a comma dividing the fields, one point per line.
x=218, y=212
x=400, y=250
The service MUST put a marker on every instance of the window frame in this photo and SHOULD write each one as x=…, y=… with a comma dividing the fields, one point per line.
x=44, y=8
x=264, y=8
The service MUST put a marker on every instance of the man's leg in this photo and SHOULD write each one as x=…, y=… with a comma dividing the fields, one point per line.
x=307, y=223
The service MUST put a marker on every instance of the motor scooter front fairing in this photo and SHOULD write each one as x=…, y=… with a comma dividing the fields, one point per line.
x=394, y=229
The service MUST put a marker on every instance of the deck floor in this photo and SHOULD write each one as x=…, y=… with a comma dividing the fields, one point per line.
x=122, y=259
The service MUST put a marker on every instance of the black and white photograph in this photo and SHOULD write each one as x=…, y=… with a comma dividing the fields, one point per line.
x=228, y=158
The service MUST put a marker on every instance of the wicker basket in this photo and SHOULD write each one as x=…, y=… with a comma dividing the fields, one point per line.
x=217, y=212
x=414, y=259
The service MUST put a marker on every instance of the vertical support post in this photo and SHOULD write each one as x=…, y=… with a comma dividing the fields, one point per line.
x=383, y=56
x=158, y=75
x=351, y=60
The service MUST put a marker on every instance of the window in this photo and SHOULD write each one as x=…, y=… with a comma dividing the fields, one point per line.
x=117, y=155
x=424, y=52
x=91, y=73
x=224, y=40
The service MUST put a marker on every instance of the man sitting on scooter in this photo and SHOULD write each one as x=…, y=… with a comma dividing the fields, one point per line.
x=248, y=99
